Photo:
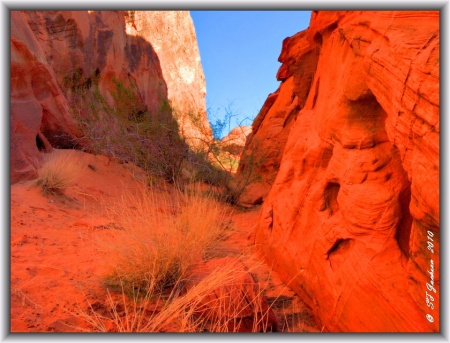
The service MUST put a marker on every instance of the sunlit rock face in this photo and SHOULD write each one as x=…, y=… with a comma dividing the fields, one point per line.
x=351, y=216
x=260, y=160
x=51, y=51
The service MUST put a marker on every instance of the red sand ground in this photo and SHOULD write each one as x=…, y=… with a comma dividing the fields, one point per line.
x=56, y=263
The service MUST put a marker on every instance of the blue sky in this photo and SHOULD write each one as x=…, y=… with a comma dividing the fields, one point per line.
x=239, y=52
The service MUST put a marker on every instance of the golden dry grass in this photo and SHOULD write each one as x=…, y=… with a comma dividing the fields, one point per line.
x=191, y=311
x=156, y=240
x=58, y=172
x=162, y=233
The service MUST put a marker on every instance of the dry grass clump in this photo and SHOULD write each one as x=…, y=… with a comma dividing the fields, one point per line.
x=59, y=171
x=194, y=310
x=161, y=238
x=162, y=234
x=232, y=301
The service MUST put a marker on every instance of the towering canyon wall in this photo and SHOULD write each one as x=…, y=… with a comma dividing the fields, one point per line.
x=155, y=53
x=172, y=36
x=350, y=169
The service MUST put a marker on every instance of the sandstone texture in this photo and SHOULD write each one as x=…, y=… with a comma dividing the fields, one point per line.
x=172, y=36
x=349, y=149
x=235, y=141
x=56, y=53
x=260, y=160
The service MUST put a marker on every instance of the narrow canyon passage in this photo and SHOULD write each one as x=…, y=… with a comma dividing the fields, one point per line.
x=49, y=292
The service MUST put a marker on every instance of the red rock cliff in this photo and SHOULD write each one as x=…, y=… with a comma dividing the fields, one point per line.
x=156, y=52
x=350, y=169
x=172, y=36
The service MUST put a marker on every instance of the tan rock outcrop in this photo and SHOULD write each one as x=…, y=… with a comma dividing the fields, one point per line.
x=67, y=50
x=352, y=216
x=231, y=147
x=236, y=139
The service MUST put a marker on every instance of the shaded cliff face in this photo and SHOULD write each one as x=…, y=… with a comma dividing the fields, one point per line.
x=54, y=53
x=352, y=216
x=172, y=36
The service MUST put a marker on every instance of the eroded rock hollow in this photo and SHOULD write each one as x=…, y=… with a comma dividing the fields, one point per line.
x=348, y=151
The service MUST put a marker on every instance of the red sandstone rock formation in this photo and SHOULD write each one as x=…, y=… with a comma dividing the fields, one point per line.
x=270, y=129
x=231, y=147
x=233, y=144
x=52, y=51
x=351, y=141
x=172, y=36
x=36, y=98
x=236, y=139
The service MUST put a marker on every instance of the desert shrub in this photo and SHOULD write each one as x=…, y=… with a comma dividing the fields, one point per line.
x=159, y=148
x=128, y=104
x=59, y=171
x=251, y=162
x=215, y=165
x=211, y=174
x=127, y=131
